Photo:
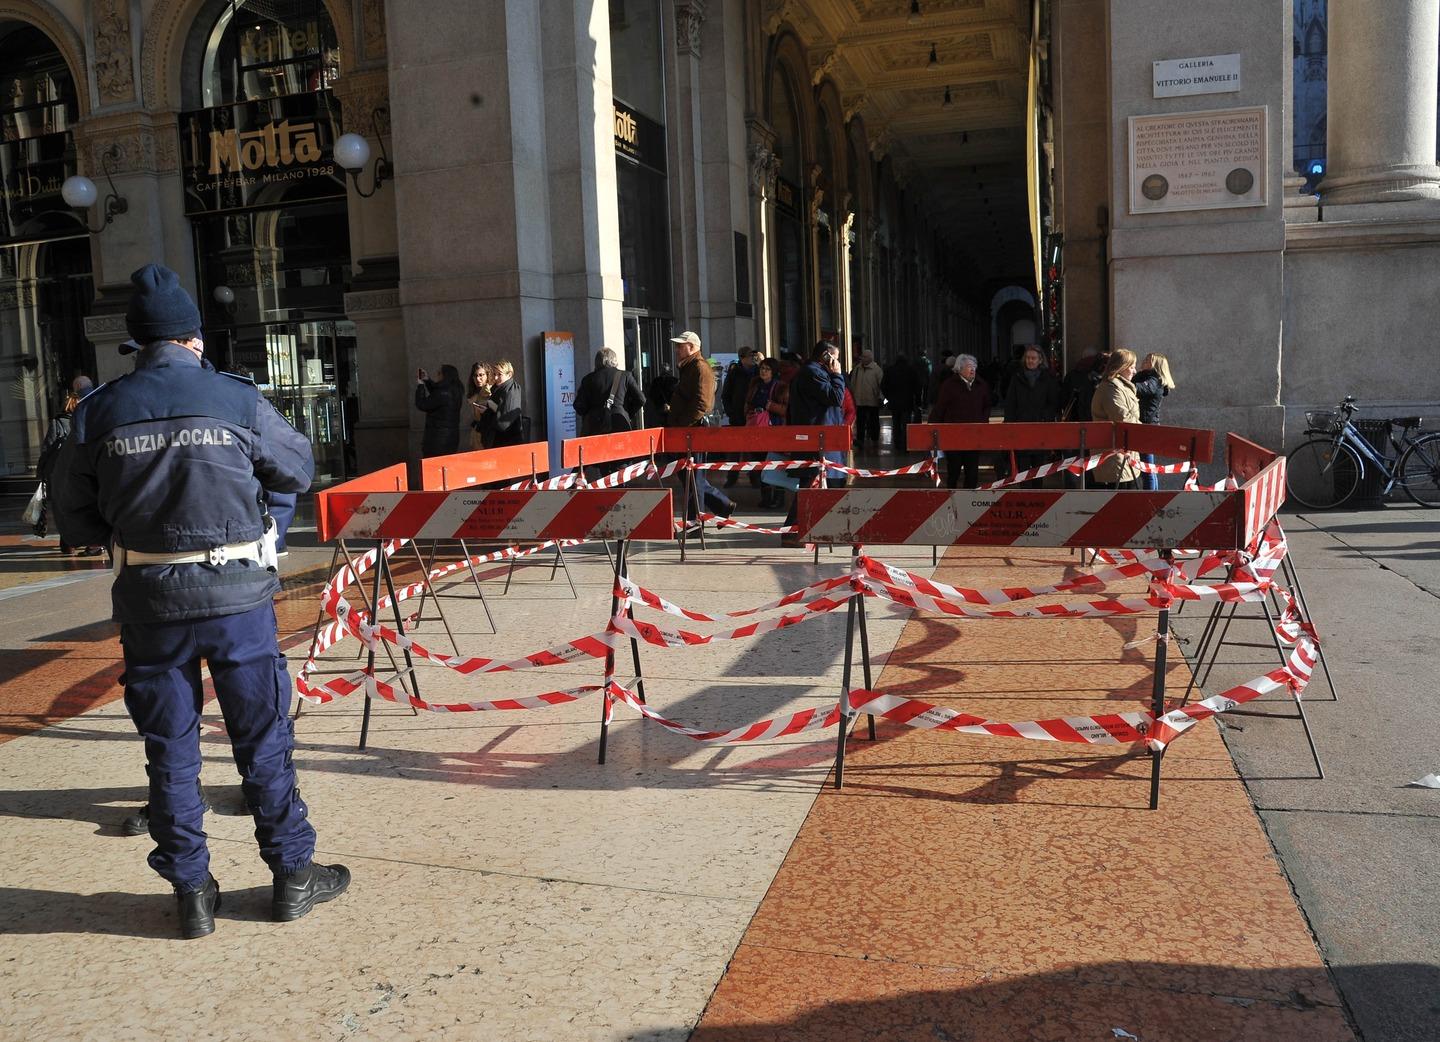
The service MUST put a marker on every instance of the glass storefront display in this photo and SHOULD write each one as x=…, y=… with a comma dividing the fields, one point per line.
x=46, y=289
x=643, y=201
x=272, y=285
x=269, y=214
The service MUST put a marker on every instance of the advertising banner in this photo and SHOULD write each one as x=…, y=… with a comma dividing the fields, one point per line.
x=560, y=419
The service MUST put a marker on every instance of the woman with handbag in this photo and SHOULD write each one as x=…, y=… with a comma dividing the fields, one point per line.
x=482, y=378
x=763, y=408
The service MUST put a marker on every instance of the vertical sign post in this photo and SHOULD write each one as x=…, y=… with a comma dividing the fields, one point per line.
x=560, y=420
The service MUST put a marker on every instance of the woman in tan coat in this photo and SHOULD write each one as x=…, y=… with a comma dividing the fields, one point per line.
x=1115, y=400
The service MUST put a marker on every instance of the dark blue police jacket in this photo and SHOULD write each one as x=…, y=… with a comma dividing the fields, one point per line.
x=171, y=458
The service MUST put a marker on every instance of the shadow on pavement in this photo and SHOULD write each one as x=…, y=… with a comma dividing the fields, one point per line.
x=1145, y=1001
x=31, y=911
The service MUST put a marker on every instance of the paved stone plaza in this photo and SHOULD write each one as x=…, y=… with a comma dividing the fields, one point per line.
x=508, y=887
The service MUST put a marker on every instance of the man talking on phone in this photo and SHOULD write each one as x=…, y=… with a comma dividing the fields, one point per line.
x=817, y=396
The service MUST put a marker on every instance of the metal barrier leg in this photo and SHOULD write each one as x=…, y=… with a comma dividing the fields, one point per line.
x=1202, y=647
x=427, y=587
x=1218, y=644
x=605, y=699
x=1293, y=574
x=315, y=632
x=370, y=658
x=864, y=643
x=844, y=721
x=510, y=574
x=369, y=606
x=400, y=628
x=1310, y=738
x=475, y=578
x=1158, y=702
x=560, y=560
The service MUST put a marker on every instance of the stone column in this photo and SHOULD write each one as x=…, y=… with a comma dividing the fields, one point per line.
x=505, y=187
x=140, y=152
x=1381, y=107
x=688, y=201
x=1300, y=206
x=764, y=166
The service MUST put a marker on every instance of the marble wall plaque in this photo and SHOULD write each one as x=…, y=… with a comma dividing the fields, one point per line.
x=1198, y=160
x=1211, y=74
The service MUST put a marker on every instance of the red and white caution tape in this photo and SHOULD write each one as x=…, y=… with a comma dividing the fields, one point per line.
x=1106, y=729
x=925, y=466
x=361, y=682
x=744, y=526
x=1080, y=465
x=631, y=593
x=796, y=723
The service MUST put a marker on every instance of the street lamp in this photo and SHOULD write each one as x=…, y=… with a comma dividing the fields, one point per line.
x=352, y=152
x=80, y=193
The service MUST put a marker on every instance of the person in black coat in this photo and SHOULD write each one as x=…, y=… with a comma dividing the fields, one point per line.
x=1152, y=383
x=507, y=402
x=440, y=401
x=608, y=400
x=657, y=396
x=899, y=386
x=1033, y=396
x=817, y=396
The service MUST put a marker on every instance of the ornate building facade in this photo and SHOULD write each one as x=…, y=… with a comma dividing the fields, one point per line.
x=896, y=176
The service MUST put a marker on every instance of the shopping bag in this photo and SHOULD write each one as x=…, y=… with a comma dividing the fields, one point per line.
x=785, y=479
x=35, y=509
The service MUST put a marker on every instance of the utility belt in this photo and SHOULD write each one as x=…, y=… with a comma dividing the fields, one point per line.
x=263, y=550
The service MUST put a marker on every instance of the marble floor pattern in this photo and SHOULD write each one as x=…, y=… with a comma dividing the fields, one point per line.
x=506, y=886
x=984, y=888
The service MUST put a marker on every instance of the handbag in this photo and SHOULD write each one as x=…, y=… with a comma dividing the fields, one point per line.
x=757, y=418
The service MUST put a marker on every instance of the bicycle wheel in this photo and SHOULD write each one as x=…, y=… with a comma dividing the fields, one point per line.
x=1419, y=471
x=1322, y=473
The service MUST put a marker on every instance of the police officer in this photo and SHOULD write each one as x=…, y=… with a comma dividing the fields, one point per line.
x=167, y=464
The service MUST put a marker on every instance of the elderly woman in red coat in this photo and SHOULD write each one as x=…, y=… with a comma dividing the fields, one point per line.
x=964, y=398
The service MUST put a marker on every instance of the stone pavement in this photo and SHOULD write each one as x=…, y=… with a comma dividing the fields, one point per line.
x=508, y=887
x=1359, y=847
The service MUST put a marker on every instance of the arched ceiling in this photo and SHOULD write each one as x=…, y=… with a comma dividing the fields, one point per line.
x=966, y=160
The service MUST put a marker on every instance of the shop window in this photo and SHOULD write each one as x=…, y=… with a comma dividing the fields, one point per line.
x=262, y=49
x=37, y=95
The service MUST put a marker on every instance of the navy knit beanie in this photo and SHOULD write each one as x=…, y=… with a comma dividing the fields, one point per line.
x=159, y=306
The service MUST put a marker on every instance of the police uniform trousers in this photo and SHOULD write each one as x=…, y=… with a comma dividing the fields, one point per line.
x=164, y=695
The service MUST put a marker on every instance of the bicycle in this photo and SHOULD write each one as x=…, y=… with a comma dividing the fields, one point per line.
x=1325, y=471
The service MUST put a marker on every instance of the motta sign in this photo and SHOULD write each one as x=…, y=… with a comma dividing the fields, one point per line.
x=275, y=145
x=639, y=138
x=1210, y=74
x=255, y=154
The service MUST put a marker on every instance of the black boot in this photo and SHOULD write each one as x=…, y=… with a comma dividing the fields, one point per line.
x=295, y=894
x=138, y=823
x=197, y=909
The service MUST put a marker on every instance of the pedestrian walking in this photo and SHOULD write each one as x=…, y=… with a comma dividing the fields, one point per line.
x=899, y=387
x=440, y=401
x=964, y=398
x=1115, y=400
x=817, y=397
x=507, y=405
x=1034, y=396
x=168, y=465
x=690, y=404
x=50, y=448
x=608, y=399
x=1153, y=383
x=866, y=387
x=477, y=393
